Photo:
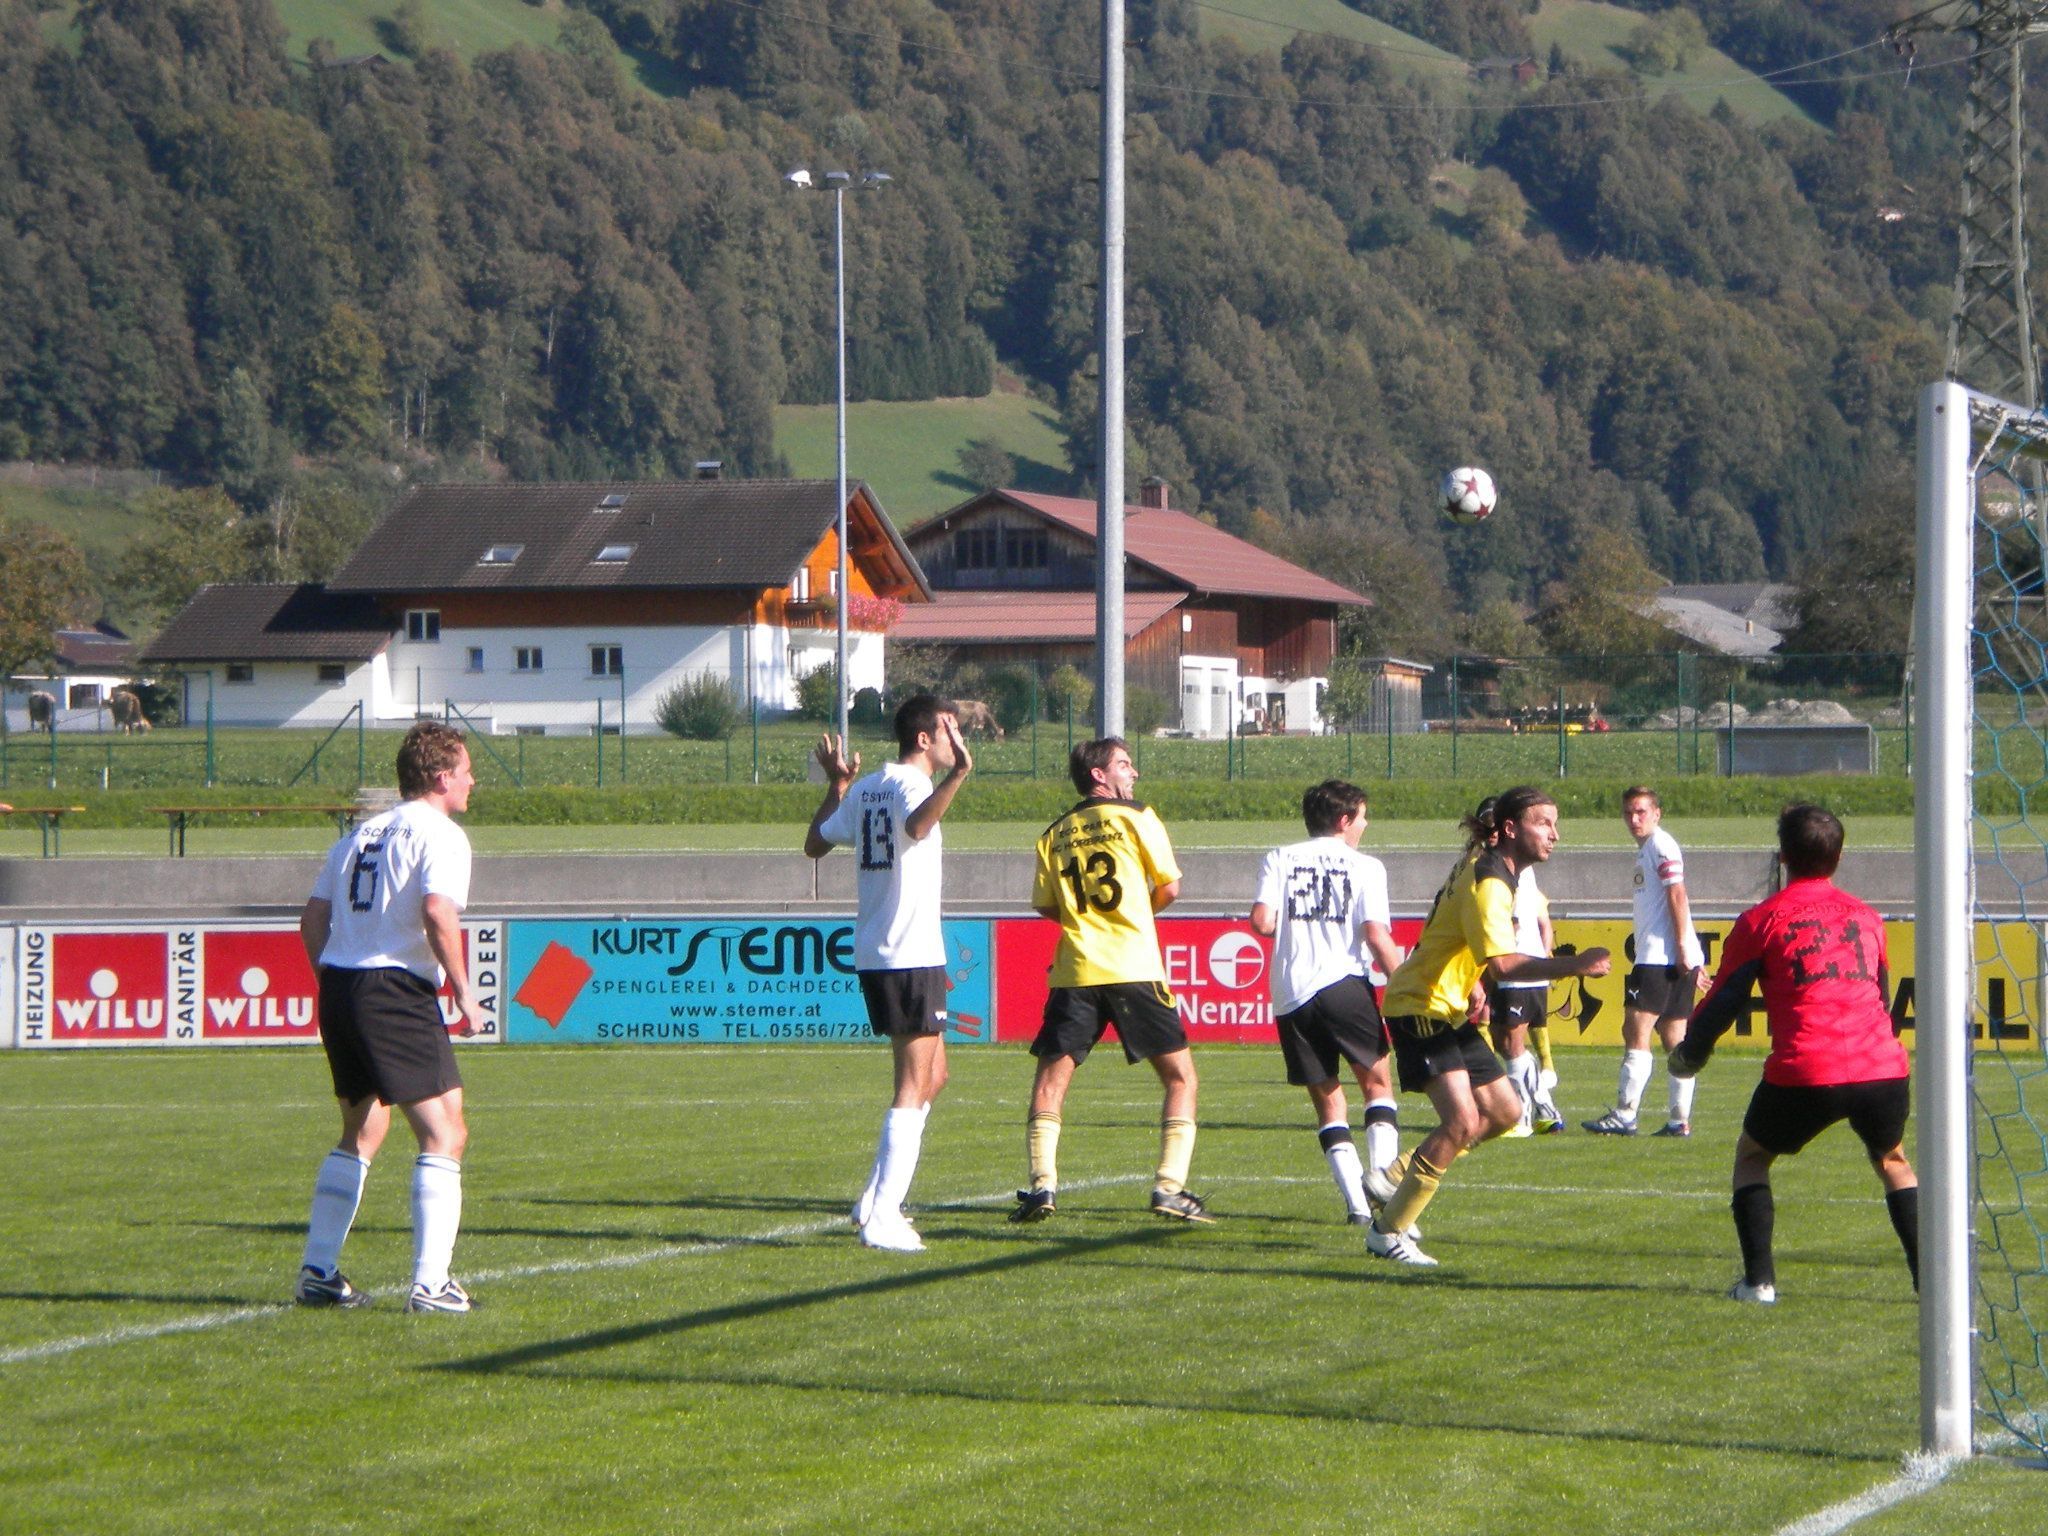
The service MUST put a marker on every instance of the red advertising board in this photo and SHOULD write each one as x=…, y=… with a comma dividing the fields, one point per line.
x=201, y=984
x=1217, y=967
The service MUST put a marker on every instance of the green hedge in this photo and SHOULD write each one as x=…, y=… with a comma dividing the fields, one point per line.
x=1028, y=800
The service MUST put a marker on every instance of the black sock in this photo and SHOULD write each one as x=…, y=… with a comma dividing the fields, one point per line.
x=1755, y=1213
x=1904, y=1205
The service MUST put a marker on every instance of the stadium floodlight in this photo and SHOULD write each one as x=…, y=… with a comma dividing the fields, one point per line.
x=838, y=183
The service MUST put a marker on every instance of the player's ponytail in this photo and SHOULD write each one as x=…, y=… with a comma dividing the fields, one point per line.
x=1479, y=828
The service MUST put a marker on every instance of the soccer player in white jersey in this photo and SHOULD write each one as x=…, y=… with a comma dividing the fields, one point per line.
x=1670, y=966
x=382, y=929
x=891, y=820
x=1517, y=1006
x=1322, y=902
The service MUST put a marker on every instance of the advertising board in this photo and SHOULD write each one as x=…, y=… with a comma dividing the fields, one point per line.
x=664, y=981
x=193, y=984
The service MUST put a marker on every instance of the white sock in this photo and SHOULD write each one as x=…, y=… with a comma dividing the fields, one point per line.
x=864, y=1207
x=436, y=1214
x=1341, y=1153
x=1382, y=1132
x=1681, y=1098
x=902, y=1138
x=337, y=1191
x=1635, y=1077
x=1522, y=1073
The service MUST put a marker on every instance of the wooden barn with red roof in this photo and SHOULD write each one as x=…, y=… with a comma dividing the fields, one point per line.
x=1229, y=634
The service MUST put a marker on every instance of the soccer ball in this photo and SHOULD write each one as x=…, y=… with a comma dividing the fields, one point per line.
x=1469, y=495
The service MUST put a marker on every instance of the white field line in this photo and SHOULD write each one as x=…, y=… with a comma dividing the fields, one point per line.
x=1922, y=1473
x=203, y=1322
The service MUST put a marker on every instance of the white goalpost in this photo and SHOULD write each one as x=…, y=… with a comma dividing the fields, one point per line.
x=1980, y=745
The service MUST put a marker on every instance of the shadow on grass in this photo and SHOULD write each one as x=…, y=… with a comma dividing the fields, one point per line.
x=185, y=1299
x=1362, y=1416
x=793, y=1205
x=792, y=1301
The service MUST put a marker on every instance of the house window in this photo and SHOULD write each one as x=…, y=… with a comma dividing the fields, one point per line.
x=1024, y=549
x=975, y=549
x=526, y=658
x=800, y=585
x=82, y=696
x=333, y=671
x=607, y=661
x=241, y=671
x=614, y=554
x=529, y=730
x=501, y=554
x=423, y=625
x=475, y=662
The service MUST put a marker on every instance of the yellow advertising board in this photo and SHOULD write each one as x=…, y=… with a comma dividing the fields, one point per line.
x=2009, y=976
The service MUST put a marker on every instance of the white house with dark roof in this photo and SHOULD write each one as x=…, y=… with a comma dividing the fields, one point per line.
x=559, y=609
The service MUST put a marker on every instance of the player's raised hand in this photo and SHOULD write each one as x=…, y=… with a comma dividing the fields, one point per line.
x=832, y=758
x=1594, y=962
x=963, y=760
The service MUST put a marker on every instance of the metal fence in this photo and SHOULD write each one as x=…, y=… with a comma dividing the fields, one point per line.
x=1501, y=718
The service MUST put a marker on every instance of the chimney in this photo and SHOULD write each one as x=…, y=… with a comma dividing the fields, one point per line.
x=1154, y=492
x=710, y=469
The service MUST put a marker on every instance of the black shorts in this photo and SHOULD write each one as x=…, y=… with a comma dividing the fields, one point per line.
x=1146, y=1020
x=384, y=1036
x=1515, y=1006
x=1425, y=1049
x=911, y=1002
x=1343, y=1021
x=1665, y=990
x=1783, y=1119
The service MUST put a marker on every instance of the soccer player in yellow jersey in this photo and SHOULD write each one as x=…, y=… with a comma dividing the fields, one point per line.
x=1436, y=1001
x=1104, y=869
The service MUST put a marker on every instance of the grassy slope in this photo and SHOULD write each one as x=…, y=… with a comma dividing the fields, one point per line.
x=101, y=522
x=909, y=451
x=1270, y=24
x=1594, y=32
x=742, y=1365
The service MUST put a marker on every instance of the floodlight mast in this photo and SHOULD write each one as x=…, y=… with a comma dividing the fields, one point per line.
x=1109, y=543
x=838, y=183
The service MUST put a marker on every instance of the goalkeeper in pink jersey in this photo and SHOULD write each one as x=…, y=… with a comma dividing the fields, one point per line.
x=1818, y=955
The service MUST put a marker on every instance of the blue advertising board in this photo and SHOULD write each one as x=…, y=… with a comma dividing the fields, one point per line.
x=664, y=981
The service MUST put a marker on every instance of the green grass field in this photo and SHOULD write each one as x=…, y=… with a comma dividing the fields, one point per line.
x=909, y=451
x=679, y=1330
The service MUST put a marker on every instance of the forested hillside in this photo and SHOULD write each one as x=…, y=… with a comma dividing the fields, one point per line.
x=1674, y=336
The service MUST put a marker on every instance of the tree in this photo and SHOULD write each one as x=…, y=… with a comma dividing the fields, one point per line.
x=1855, y=593
x=43, y=588
x=986, y=465
x=342, y=393
x=1598, y=607
x=194, y=537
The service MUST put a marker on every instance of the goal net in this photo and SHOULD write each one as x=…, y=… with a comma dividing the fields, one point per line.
x=1981, y=838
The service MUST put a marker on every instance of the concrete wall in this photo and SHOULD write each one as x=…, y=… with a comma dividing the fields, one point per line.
x=1581, y=883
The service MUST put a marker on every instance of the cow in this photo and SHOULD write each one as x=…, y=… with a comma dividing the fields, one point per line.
x=42, y=711
x=975, y=716
x=127, y=711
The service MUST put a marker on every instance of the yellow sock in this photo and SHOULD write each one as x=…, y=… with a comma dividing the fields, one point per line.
x=1416, y=1191
x=1176, y=1151
x=1042, y=1145
x=1539, y=1042
x=1397, y=1170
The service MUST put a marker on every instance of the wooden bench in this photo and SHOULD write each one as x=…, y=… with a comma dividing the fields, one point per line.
x=51, y=819
x=177, y=817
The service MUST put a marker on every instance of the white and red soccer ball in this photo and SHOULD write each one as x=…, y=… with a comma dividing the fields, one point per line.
x=1469, y=495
